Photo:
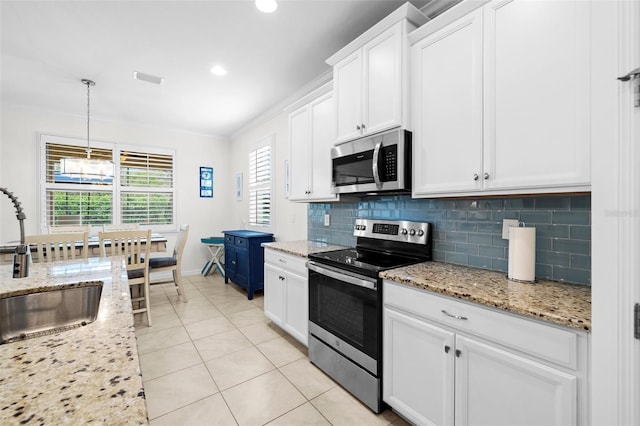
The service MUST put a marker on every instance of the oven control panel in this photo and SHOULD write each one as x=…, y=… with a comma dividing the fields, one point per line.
x=393, y=230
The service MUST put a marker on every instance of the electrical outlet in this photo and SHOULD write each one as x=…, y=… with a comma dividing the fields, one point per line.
x=327, y=220
x=506, y=224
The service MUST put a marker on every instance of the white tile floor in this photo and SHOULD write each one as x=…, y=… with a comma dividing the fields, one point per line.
x=217, y=360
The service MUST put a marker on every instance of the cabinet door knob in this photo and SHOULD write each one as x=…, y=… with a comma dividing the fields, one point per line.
x=447, y=348
x=475, y=176
x=486, y=176
x=281, y=277
x=458, y=353
x=358, y=128
x=362, y=126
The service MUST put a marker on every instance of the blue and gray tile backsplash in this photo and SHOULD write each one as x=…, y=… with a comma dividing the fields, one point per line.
x=469, y=231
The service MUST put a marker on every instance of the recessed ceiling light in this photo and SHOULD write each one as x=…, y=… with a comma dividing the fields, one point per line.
x=267, y=6
x=218, y=70
x=137, y=75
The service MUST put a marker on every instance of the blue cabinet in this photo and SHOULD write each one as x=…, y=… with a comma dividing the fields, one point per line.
x=244, y=259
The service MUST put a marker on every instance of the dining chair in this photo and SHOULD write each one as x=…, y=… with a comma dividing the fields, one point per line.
x=67, y=229
x=173, y=263
x=135, y=247
x=120, y=227
x=55, y=247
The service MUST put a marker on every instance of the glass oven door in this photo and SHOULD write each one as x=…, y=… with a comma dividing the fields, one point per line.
x=347, y=306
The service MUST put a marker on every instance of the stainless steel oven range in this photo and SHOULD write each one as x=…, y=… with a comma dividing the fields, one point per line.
x=345, y=302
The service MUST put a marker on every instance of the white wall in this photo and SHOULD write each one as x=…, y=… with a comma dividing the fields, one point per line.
x=290, y=219
x=19, y=171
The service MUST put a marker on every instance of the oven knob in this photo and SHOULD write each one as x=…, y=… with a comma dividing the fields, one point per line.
x=420, y=233
x=412, y=232
x=404, y=231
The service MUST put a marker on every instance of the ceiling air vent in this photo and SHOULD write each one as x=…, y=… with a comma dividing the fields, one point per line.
x=137, y=75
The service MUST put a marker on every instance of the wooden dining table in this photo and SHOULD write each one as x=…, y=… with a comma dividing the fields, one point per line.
x=158, y=244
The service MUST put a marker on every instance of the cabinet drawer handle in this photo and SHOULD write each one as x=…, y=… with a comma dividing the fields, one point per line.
x=282, y=261
x=281, y=277
x=454, y=316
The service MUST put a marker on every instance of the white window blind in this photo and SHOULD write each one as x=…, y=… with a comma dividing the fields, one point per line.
x=142, y=192
x=260, y=185
x=75, y=200
x=146, y=182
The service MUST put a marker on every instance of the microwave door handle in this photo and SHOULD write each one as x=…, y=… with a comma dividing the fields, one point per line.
x=342, y=276
x=376, y=172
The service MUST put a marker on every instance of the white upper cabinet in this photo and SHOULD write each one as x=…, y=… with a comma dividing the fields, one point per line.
x=371, y=77
x=502, y=99
x=311, y=136
x=537, y=68
x=447, y=96
x=347, y=77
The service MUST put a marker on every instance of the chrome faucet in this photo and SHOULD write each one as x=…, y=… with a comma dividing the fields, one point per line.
x=22, y=254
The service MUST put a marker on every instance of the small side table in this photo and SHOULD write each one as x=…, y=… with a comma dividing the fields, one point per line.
x=215, y=245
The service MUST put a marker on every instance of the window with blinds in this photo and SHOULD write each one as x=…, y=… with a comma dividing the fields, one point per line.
x=142, y=191
x=56, y=152
x=146, y=182
x=260, y=185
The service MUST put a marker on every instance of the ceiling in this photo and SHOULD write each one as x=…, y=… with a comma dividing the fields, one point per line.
x=47, y=47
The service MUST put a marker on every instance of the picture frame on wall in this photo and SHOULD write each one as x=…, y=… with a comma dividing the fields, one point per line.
x=238, y=186
x=206, y=182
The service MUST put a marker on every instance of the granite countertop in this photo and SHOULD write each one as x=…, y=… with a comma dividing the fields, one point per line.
x=88, y=374
x=302, y=248
x=559, y=303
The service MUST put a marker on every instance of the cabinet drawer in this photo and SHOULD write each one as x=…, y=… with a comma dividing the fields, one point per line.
x=241, y=242
x=547, y=342
x=288, y=262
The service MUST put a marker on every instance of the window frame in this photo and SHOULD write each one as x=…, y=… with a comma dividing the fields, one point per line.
x=270, y=142
x=115, y=188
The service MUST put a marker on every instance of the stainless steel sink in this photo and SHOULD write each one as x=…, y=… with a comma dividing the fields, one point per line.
x=48, y=312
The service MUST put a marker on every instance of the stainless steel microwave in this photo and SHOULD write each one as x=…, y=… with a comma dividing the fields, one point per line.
x=373, y=164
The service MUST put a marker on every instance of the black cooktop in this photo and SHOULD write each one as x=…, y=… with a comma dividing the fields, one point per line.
x=364, y=262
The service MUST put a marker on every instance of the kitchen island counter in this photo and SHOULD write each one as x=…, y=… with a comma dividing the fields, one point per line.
x=555, y=302
x=302, y=248
x=89, y=374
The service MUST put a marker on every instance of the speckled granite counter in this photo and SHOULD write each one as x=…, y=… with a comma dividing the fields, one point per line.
x=89, y=374
x=564, y=304
x=302, y=247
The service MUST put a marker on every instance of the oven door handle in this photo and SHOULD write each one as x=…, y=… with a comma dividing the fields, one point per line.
x=342, y=276
x=376, y=156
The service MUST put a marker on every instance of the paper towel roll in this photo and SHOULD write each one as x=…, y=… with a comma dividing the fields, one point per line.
x=522, y=253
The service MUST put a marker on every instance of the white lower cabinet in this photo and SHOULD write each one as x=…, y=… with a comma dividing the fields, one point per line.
x=450, y=363
x=286, y=293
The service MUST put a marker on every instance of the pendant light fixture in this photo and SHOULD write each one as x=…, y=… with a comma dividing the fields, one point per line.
x=87, y=169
